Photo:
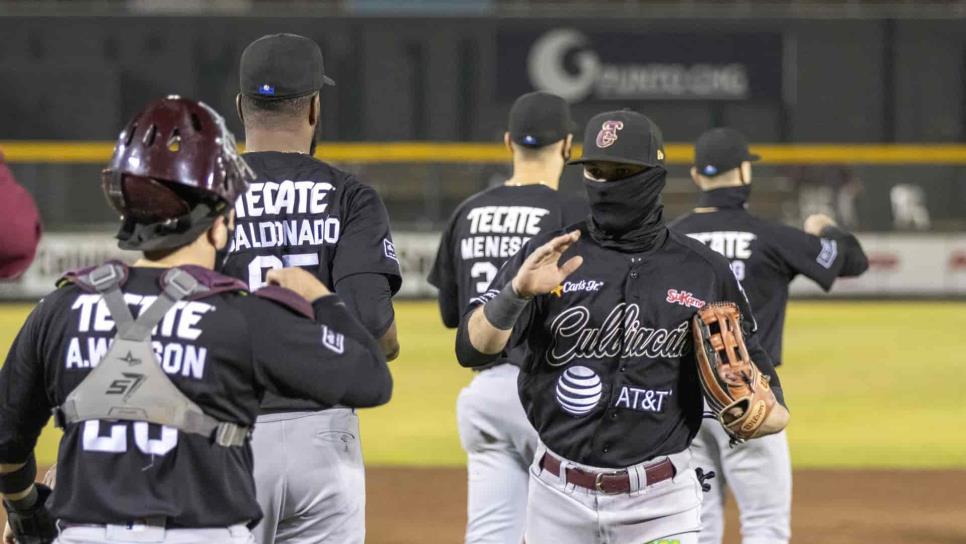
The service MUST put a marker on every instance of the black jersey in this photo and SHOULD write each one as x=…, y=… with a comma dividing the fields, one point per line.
x=303, y=212
x=609, y=378
x=766, y=256
x=486, y=230
x=223, y=351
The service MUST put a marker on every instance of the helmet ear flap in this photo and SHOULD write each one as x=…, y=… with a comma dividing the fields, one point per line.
x=148, y=200
x=111, y=185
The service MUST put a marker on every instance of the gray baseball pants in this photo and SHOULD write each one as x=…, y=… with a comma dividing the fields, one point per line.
x=759, y=474
x=137, y=534
x=499, y=443
x=667, y=512
x=309, y=478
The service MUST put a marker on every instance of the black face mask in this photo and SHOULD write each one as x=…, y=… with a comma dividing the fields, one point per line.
x=728, y=197
x=627, y=214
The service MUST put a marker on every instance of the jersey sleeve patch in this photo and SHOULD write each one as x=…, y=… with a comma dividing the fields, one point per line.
x=389, y=249
x=333, y=341
x=830, y=250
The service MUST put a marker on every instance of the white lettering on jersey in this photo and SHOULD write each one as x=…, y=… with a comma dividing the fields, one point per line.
x=506, y=220
x=184, y=316
x=290, y=233
x=642, y=400
x=490, y=247
x=180, y=323
x=731, y=244
x=288, y=197
x=579, y=341
x=271, y=200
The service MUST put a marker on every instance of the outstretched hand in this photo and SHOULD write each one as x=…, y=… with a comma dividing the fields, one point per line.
x=541, y=271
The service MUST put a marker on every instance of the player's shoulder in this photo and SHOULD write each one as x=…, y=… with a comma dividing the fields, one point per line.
x=682, y=222
x=498, y=194
x=548, y=235
x=696, y=252
x=778, y=234
x=275, y=165
x=271, y=304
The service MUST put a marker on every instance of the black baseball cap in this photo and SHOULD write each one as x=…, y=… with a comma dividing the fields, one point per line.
x=720, y=150
x=281, y=66
x=539, y=119
x=623, y=136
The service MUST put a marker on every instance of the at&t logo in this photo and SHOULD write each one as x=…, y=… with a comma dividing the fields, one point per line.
x=579, y=390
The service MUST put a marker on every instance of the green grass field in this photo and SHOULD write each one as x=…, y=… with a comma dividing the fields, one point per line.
x=869, y=384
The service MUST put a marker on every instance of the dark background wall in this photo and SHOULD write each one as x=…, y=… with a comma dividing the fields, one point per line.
x=871, y=80
x=444, y=79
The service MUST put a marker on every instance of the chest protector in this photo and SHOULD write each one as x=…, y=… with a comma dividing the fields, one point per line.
x=128, y=383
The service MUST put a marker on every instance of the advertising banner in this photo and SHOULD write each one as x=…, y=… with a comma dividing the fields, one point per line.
x=899, y=265
x=584, y=65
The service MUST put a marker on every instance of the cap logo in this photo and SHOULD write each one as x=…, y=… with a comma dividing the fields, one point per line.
x=608, y=133
x=710, y=170
x=529, y=140
x=660, y=154
x=266, y=90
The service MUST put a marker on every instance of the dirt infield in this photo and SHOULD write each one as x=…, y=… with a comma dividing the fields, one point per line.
x=427, y=506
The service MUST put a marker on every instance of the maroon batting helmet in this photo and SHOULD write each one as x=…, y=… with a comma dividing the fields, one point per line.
x=174, y=170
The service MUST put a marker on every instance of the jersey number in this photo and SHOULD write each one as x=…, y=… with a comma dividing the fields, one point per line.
x=738, y=269
x=256, y=278
x=116, y=441
x=483, y=272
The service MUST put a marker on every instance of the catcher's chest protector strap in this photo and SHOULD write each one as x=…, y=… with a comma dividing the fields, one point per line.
x=128, y=383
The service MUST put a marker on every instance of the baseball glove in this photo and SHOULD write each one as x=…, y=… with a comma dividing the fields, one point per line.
x=734, y=387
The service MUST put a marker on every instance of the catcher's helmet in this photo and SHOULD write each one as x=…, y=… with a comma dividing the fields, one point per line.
x=174, y=170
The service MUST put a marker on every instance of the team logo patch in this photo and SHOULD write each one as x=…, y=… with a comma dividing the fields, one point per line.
x=684, y=298
x=588, y=286
x=830, y=251
x=333, y=341
x=389, y=249
x=608, y=133
x=579, y=390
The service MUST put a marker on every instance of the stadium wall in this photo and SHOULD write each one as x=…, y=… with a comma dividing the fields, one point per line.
x=901, y=265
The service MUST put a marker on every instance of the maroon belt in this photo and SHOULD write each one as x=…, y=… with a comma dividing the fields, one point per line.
x=608, y=482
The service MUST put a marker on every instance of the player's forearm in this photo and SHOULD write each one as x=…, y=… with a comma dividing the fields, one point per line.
x=371, y=384
x=369, y=297
x=449, y=309
x=489, y=337
x=17, y=480
x=389, y=343
x=484, y=336
x=855, y=261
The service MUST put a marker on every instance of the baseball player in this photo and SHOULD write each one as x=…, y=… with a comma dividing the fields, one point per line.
x=765, y=256
x=21, y=226
x=155, y=371
x=483, y=233
x=302, y=212
x=612, y=380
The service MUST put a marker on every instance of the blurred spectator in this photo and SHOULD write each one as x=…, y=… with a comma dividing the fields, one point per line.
x=829, y=189
x=19, y=226
x=909, y=211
